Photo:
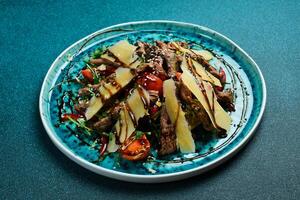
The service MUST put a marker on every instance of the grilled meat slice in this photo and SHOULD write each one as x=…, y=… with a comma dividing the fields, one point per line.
x=167, y=136
x=100, y=61
x=171, y=60
x=103, y=124
x=153, y=59
x=225, y=99
x=196, y=114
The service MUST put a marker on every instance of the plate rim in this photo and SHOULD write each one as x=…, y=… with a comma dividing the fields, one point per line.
x=154, y=178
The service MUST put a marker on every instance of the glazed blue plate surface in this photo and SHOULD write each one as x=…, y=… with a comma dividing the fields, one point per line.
x=243, y=77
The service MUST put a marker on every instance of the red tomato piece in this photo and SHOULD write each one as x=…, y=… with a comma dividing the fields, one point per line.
x=137, y=149
x=65, y=117
x=88, y=75
x=151, y=82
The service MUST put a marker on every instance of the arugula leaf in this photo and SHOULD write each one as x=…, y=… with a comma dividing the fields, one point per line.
x=97, y=53
x=81, y=124
x=138, y=134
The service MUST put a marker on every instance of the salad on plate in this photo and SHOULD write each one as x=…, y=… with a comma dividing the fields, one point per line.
x=136, y=99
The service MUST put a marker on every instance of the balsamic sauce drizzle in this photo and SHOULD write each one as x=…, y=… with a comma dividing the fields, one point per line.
x=202, y=88
x=142, y=96
x=70, y=103
x=131, y=114
x=235, y=75
x=107, y=89
x=65, y=73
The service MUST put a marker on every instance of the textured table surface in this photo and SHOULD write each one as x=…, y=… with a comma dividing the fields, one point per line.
x=33, y=33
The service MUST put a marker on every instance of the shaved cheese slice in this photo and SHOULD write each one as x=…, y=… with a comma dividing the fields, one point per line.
x=204, y=53
x=210, y=94
x=124, y=51
x=123, y=76
x=190, y=81
x=133, y=110
x=124, y=125
x=222, y=118
x=135, y=64
x=192, y=84
x=184, y=67
x=107, y=90
x=106, y=56
x=137, y=105
x=94, y=106
x=218, y=116
x=185, y=140
x=205, y=75
x=180, y=48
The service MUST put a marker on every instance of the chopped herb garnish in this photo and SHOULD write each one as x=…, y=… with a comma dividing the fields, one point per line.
x=81, y=124
x=139, y=134
x=97, y=53
x=110, y=137
x=136, y=101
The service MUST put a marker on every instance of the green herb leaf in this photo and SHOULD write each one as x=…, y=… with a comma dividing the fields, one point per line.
x=110, y=136
x=81, y=124
x=97, y=53
x=139, y=134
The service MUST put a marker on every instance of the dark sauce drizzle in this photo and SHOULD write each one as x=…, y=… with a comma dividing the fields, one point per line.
x=116, y=84
x=126, y=124
x=131, y=114
x=202, y=88
x=109, y=91
x=65, y=73
x=61, y=103
x=234, y=75
x=142, y=96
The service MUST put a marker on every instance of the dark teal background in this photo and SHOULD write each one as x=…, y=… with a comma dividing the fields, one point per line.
x=32, y=35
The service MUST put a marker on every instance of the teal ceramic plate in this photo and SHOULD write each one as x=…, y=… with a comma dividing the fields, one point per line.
x=243, y=75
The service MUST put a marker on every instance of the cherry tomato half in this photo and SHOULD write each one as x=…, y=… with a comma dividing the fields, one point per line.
x=65, y=117
x=88, y=75
x=162, y=76
x=137, y=149
x=151, y=82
